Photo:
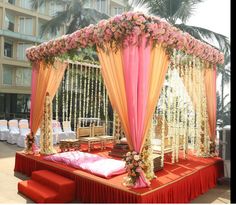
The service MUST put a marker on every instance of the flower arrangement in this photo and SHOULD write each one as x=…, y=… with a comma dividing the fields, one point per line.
x=29, y=141
x=127, y=28
x=134, y=164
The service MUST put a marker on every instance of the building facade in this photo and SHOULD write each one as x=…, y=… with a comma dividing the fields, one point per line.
x=20, y=28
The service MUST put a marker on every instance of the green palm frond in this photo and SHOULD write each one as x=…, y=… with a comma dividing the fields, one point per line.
x=55, y=23
x=203, y=33
x=185, y=9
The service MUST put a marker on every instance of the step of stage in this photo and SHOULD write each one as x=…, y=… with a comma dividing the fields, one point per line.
x=64, y=187
x=37, y=192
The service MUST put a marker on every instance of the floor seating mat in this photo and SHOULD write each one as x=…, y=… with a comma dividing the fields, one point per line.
x=92, y=163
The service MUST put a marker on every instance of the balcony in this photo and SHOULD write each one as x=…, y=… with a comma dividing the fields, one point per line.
x=20, y=36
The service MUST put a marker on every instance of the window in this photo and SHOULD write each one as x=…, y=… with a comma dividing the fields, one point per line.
x=54, y=8
x=12, y=2
x=42, y=8
x=101, y=5
x=88, y=4
x=8, y=49
x=9, y=21
x=26, y=25
x=118, y=10
x=22, y=103
x=7, y=75
x=21, y=47
x=25, y=4
x=23, y=77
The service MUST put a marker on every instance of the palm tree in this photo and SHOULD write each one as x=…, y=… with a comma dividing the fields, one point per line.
x=224, y=72
x=75, y=16
x=175, y=11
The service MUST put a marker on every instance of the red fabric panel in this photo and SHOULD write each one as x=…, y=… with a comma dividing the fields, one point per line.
x=64, y=186
x=36, y=191
x=176, y=183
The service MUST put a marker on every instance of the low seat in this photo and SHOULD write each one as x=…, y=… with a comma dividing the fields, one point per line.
x=100, y=132
x=84, y=136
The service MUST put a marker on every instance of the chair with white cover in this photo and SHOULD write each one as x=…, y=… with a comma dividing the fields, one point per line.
x=14, y=131
x=24, y=130
x=4, y=131
x=58, y=134
x=67, y=129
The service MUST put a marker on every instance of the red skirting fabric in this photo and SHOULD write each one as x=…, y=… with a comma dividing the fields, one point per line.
x=176, y=183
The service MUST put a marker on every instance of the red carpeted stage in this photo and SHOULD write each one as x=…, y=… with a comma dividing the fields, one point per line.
x=176, y=183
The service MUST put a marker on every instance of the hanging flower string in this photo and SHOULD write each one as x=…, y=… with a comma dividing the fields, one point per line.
x=115, y=31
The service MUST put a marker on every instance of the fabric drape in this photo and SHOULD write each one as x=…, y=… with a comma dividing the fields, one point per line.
x=112, y=72
x=45, y=78
x=210, y=86
x=134, y=76
x=191, y=88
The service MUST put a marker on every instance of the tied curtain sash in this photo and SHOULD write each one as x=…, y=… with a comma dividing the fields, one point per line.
x=134, y=76
x=45, y=78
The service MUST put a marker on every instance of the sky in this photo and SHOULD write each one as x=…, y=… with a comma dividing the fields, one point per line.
x=213, y=15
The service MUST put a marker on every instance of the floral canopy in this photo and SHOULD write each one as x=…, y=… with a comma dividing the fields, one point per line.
x=116, y=29
x=134, y=51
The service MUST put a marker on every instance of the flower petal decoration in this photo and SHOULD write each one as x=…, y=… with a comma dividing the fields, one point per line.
x=115, y=31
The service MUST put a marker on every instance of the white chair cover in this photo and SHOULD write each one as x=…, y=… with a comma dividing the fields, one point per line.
x=67, y=129
x=24, y=130
x=4, y=131
x=58, y=134
x=14, y=131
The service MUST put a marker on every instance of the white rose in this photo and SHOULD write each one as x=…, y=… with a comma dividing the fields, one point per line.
x=128, y=154
x=136, y=157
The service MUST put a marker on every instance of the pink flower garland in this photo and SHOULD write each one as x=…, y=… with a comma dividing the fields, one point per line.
x=117, y=29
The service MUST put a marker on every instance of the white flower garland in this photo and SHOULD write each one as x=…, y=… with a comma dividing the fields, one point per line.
x=46, y=138
x=75, y=99
x=71, y=89
x=80, y=90
x=96, y=90
x=67, y=93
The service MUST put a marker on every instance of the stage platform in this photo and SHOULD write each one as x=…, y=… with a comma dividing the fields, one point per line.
x=176, y=183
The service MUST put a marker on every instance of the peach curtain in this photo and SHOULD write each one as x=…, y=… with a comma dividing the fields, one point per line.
x=113, y=76
x=158, y=67
x=210, y=86
x=45, y=78
x=191, y=88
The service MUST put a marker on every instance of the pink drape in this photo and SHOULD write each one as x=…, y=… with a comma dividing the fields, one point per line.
x=210, y=85
x=134, y=87
x=136, y=60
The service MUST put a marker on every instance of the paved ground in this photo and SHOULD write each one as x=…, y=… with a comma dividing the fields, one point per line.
x=8, y=182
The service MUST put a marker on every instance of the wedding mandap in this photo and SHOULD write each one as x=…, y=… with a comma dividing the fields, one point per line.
x=161, y=85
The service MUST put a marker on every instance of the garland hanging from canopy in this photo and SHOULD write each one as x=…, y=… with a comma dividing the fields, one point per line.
x=115, y=31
